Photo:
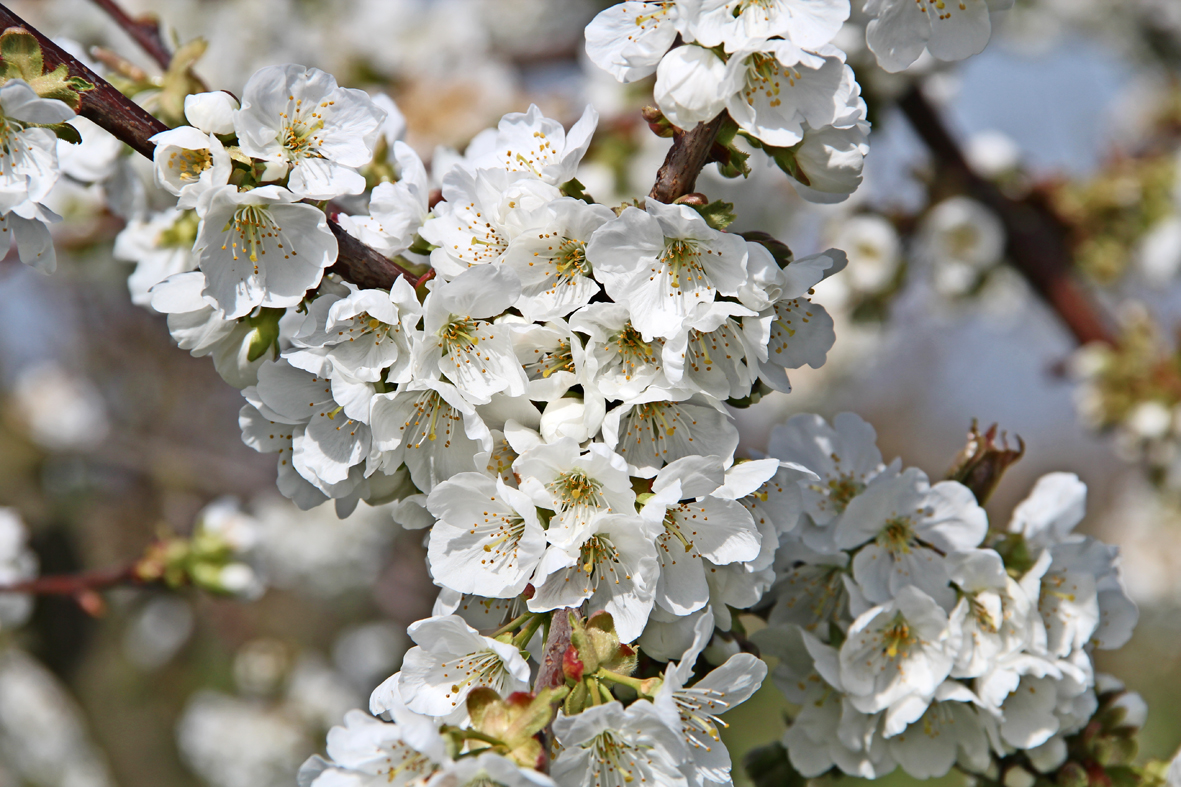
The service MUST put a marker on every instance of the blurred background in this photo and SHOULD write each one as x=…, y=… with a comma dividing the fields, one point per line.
x=110, y=436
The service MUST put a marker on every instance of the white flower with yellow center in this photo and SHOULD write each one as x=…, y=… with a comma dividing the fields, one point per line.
x=612, y=746
x=487, y=539
x=578, y=487
x=663, y=426
x=695, y=527
x=714, y=355
x=901, y=29
x=257, y=248
x=620, y=362
x=431, y=428
x=733, y=23
x=995, y=613
x=460, y=342
x=160, y=245
x=780, y=87
x=28, y=171
x=844, y=455
x=450, y=659
x=902, y=648
x=299, y=118
x=612, y=567
x=662, y=262
x=483, y=210
x=396, y=210
x=368, y=752
x=904, y=528
x=190, y=161
x=362, y=334
x=698, y=707
x=551, y=260
x=628, y=39
x=532, y=144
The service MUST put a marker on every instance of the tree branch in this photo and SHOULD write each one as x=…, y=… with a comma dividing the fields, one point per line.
x=77, y=584
x=557, y=639
x=361, y=264
x=678, y=175
x=145, y=31
x=104, y=105
x=1037, y=242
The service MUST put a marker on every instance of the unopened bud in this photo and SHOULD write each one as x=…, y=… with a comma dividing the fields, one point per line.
x=1018, y=777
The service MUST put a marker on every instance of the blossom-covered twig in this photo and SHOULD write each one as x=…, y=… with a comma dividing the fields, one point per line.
x=1037, y=243
x=103, y=104
x=130, y=123
x=678, y=175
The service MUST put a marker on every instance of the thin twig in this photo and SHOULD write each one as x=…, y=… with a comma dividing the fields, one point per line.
x=145, y=31
x=363, y=266
x=678, y=175
x=1037, y=241
x=76, y=584
x=557, y=639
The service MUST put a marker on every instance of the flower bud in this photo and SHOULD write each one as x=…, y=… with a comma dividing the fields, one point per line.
x=564, y=418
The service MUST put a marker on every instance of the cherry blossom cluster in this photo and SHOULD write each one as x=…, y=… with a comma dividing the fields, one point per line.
x=911, y=635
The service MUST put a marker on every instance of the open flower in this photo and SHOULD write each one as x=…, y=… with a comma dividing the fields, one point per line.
x=450, y=659
x=487, y=538
x=368, y=752
x=901, y=29
x=28, y=170
x=733, y=23
x=299, y=117
x=659, y=427
x=551, y=260
x=662, y=262
x=260, y=248
x=576, y=486
x=475, y=354
x=611, y=745
x=612, y=566
x=628, y=39
x=907, y=527
x=529, y=142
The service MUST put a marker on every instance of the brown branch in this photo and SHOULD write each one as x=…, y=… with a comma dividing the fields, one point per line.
x=557, y=639
x=1037, y=242
x=77, y=584
x=678, y=175
x=360, y=264
x=104, y=105
x=145, y=31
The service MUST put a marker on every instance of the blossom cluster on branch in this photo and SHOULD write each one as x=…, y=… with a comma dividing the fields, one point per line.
x=544, y=390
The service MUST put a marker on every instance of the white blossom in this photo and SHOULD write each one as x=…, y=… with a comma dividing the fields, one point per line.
x=487, y=539
x=299, y=118
x=612, y=565
x=28, y=170
x=450, y=659
x=660, y=427
x=612, y=745
x=629, y=39
x=732, y=23
x=238, y=232
x=901, y=29
x=663, y=261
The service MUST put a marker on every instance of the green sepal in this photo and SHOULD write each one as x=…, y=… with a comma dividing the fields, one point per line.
x=768, y=766
x=757, y=392
x=264, y=332
x=515, y=721
x=178, y=81
x=65, y=132
x=420, y=246
x=574, y=188
x=731, y=161
x=717, y=214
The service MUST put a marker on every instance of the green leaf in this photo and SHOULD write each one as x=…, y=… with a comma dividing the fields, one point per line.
x=22, y=54
x=717, y=214
x=420, y=246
